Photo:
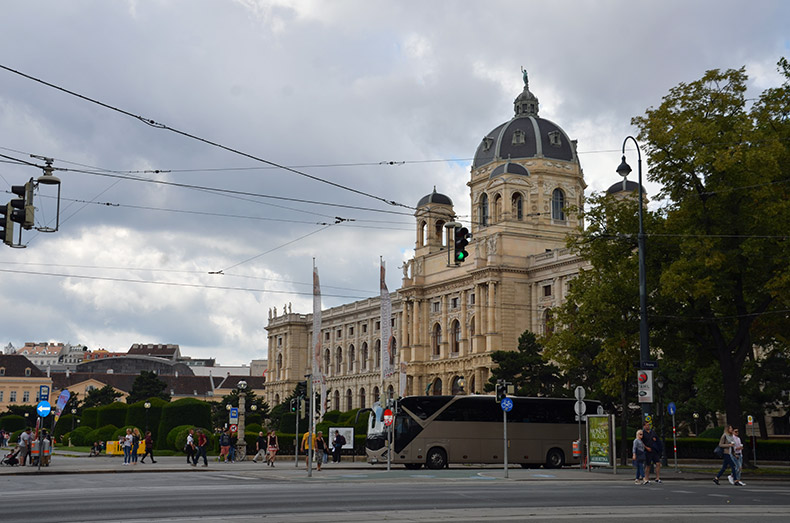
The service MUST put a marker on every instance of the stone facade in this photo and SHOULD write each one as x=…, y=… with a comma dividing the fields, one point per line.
x=447, y=319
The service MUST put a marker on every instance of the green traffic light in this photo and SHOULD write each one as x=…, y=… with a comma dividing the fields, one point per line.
x=460, y=256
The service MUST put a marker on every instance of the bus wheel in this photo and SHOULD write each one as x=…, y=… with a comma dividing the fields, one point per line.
x=436, y=459
x=555, y=459
x=413, y=466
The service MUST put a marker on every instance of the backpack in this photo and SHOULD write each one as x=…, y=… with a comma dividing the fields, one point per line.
x=341, y=439
x=718, y=452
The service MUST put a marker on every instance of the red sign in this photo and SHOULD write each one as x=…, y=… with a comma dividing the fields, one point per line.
x=388, y=417
x=234, y=428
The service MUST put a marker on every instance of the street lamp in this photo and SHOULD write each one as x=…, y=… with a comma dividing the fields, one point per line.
x=696, y=428
x=644, y=343
x=241, y=442
x=73, y=415
x=147, y=406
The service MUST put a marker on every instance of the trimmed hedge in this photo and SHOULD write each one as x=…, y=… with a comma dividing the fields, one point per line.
x=254, y=427
x=136, y=415
x=702, y=448
x=713, y=432
x=90, y=417
x=121, y=432
x=253, y=417
x=186, y=411
x=79, y=436
x=12, y=422
x=105, y=434
x=172, y=436
x=112, y=414
x=64, y=424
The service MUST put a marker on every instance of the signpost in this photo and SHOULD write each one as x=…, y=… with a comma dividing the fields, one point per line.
x=234, y=428
x=645, y=383
x=507, y=406
x=671, y=409
x=388, y=417
x=42, y=409
x=580, y=408
x=234, y=416
x=750, y=421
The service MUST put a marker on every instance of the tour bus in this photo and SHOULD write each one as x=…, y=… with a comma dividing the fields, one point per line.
x=439, y=430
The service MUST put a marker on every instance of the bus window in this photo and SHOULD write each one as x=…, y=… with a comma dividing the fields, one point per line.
x=406, y=429
x=472, y=409
x=426, y=406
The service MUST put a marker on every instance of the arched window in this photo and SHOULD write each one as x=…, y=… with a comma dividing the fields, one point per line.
x=364, y=357
x=472, y=384
x=458, y=385
x=349, y=400
x=497, y=209
x=472, y=326
x=276, y=399
x=455, y=337
x=437, y=387
x=361, y=398
x=558, y=205
x=327, y=360
x=337, y=400
x=548, y=327
x=351, y=359
x=390, y=392
x=278, y=373
x=483, y=212
x=393, y=352
x=518, y=207
x=423, y=235
x=440, y=231
x=377, y=355
x=376, y=394
x=338, y=360
x=436, y=340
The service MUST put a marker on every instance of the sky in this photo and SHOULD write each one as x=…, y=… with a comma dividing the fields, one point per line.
x=371, y=105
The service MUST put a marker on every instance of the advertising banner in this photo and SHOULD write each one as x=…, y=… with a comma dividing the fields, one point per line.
x=600, y=439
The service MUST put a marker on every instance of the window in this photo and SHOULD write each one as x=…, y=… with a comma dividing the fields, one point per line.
x=349, y=400
x=548, y=328
x=558, y=205
x=326, y=336
x=487, y=142
x=437, y=387
x=394, y=352
x=390, y=392
x=378, y=325
x=555, y=138
x=364, y=357
x=472, y=326
x=26, y=396
x=471, y=298
x=364, y=328
x=454, y=303
x=483, y=212
x=339, y=333
x=497, y=209
x=439, y=231
x=1, y=396
x=423, y=239
x=436, y=339
x=436, y=306
x=377, y=355
x=518, y=207
x=337, y=400
x=362, y=398
x=518, y=137
x=280, y=341
x=455, y=337
x=375, y=394
x=351, y=358
x=279, y=369
x=547, y=290
x=27, y=371
x=2, y=371
x=338, y=360
x=327, y=360
x=12, y=396
x=351, y=331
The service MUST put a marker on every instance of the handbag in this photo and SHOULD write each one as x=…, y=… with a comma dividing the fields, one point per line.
x=718, y=451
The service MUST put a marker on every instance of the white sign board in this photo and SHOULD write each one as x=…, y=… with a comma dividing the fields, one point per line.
x=644, y=379
x=346, y=432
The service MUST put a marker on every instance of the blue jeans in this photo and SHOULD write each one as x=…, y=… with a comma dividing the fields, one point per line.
x=201, y=452
x=640, y=469
x=127, y=454
x=727, y=461
x=738, y=460
x=134, y=453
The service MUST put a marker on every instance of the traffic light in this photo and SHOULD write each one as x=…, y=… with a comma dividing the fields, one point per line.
x=501, y=392
x=7, y=224
x=461, y=241
x=294, y=403
x=23, y=206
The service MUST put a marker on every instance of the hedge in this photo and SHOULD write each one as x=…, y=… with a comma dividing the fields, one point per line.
x=121, y=432
x=136, y=415
x=90, y=417
x=64, y=424
x=702, y=448
x=79, y=436
x=254, y=427
x=186, y=411
x=254, y=417
x=112, y=414
x=172, y=436
x=101, y=434
x=12, y=422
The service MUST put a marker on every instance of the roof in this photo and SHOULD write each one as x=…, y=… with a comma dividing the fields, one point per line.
x=624, y=186
x=509, y=168
x=176, y=385
x=153, y=349
x=435, y=197
x=16, y=364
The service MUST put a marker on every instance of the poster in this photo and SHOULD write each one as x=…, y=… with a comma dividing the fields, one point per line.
x=599, y=437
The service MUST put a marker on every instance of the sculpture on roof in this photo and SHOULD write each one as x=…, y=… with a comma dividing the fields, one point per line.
x=524, y=76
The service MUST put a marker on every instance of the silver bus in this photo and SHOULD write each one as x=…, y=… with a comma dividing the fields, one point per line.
x=438, y=430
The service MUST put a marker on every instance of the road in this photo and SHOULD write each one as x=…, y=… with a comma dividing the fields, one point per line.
x=251, y=494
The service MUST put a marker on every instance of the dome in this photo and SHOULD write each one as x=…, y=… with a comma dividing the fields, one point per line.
x=509, y=168
x=435, y=197
x=525, y=136
x=624, y=186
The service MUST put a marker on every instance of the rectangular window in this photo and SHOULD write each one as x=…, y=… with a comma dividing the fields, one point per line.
x=26, y=396
x=436, y=306
x=547, y=290
x=472, y=299
x=392, y=322
x=364, y=328
x=326, y=337
x=339, y=333
x=378, y=325
x=12, y=396
x=1, y=396
x=454, y=303
x=280, y=341
x=351, y=331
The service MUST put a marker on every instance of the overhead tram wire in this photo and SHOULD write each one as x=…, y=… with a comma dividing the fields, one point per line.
x=158, y=125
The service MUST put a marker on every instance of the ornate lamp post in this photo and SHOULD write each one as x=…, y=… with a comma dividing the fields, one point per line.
x=241, y=444
x=73, y=415
x=147, y=406
x=644, y=343
x=696, y=428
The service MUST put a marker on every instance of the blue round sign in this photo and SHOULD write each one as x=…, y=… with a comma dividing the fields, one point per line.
x=507, y=404
x=671, y=408
x=43, y=408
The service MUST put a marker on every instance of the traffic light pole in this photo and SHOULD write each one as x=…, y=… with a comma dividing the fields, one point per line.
x=311, y=428
x=296, y=436
x=504, y=432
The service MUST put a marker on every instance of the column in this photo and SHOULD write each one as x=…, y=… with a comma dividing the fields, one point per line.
x=465, y=340
x=444, y=348
x=491, y=327
x=479, y=319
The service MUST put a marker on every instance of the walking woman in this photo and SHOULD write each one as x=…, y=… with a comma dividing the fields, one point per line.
x=727, y=442
x=272, y=446
x=639, y=457
x=135, y=444
x=127, y=447
x=320, y=449
x=149, y=447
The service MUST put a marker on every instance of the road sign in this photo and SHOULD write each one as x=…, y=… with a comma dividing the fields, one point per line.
x=43, y=393
x=234, y=428
x=507, y=404
x=580, y=408
x=388, y=417
x=645, y=386
x=579, y=393
x=750, y=419
x=234, y=415
x=43, y=408
x=649, y=364
x=671, y=408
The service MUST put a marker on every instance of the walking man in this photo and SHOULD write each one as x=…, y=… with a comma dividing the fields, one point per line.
x=149, y=447
x=190, y=448
x=260, y=445
x=653, y=451
x=24, y=446
x=337, y=446
x=202, y=441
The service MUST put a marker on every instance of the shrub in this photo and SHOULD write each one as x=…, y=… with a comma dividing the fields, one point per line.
x=118, y=433
x=170, y=440
x=12, y=422
x=90, y=417
x=79, y=436
x=332, y=416
x=136, y=414
x=713, y=432
x=702, y=448
x=64, y=424
x=112, y=414
x=105, y=433
x=15, y=436
x=254, y=417
x=187, y=411
x=251, y=438
x=254, y=427
x=288, y=422
x=180, y=438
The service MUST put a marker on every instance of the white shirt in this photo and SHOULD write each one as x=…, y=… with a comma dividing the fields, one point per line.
x=738, y=445
x=190, y=440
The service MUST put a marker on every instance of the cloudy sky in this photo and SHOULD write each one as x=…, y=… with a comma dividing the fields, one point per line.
x=335, y=90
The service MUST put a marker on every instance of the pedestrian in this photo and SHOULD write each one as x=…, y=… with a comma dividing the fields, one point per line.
x=737, y=457
x=202, y=441
x=726, y=442
x=638, y=450
x=305, y=447
x=272, y=446
x=190, y=448
x=24, y=446
x=127, y=447
x=260, y=446
x=653, y=449
x=149, y=447
x=234, y=440
x=135, y=444
x=337, y=446
x=95, y=449
x=224, y=446
x=320, y=448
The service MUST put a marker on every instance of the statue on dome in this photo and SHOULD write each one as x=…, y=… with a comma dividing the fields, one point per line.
x=524, y=76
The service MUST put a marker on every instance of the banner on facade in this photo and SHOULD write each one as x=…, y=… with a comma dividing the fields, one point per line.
x=316, y=356
x=402, y=380
x=387, y=340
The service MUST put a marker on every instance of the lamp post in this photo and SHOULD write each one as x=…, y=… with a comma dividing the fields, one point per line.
x=696, y=428
x=147, y=406
x=644, y=343
x=73, y=415
x=241, y=443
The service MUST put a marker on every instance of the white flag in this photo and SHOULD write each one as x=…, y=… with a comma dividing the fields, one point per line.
x=316, y=356
x=386, y=328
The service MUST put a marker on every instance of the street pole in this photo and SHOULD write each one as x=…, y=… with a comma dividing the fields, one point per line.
x=296, y=437
x=504, y=433
x=675, y=442
x=310, y=422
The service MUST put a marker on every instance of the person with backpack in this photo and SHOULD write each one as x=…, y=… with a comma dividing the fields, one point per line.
x=135, y=444
x=224, y=446
x=337, y=446
x=190, y=448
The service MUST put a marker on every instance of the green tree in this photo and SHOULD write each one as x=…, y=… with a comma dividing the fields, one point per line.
x=526, y=369
x=147, y=385
x=219, y=410
x=98, y=397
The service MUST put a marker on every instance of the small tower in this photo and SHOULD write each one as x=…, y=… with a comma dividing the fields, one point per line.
x=433, y=211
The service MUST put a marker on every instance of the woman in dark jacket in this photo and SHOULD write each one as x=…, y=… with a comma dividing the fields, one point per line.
x=149, y=447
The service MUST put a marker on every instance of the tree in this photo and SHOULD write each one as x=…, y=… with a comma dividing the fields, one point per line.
x=147, y=385
x=219, y=413
x=724, y=168
x=98, y=397
x=526, y=369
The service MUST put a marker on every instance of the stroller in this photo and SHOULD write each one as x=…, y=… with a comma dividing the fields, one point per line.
x=11, y=458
